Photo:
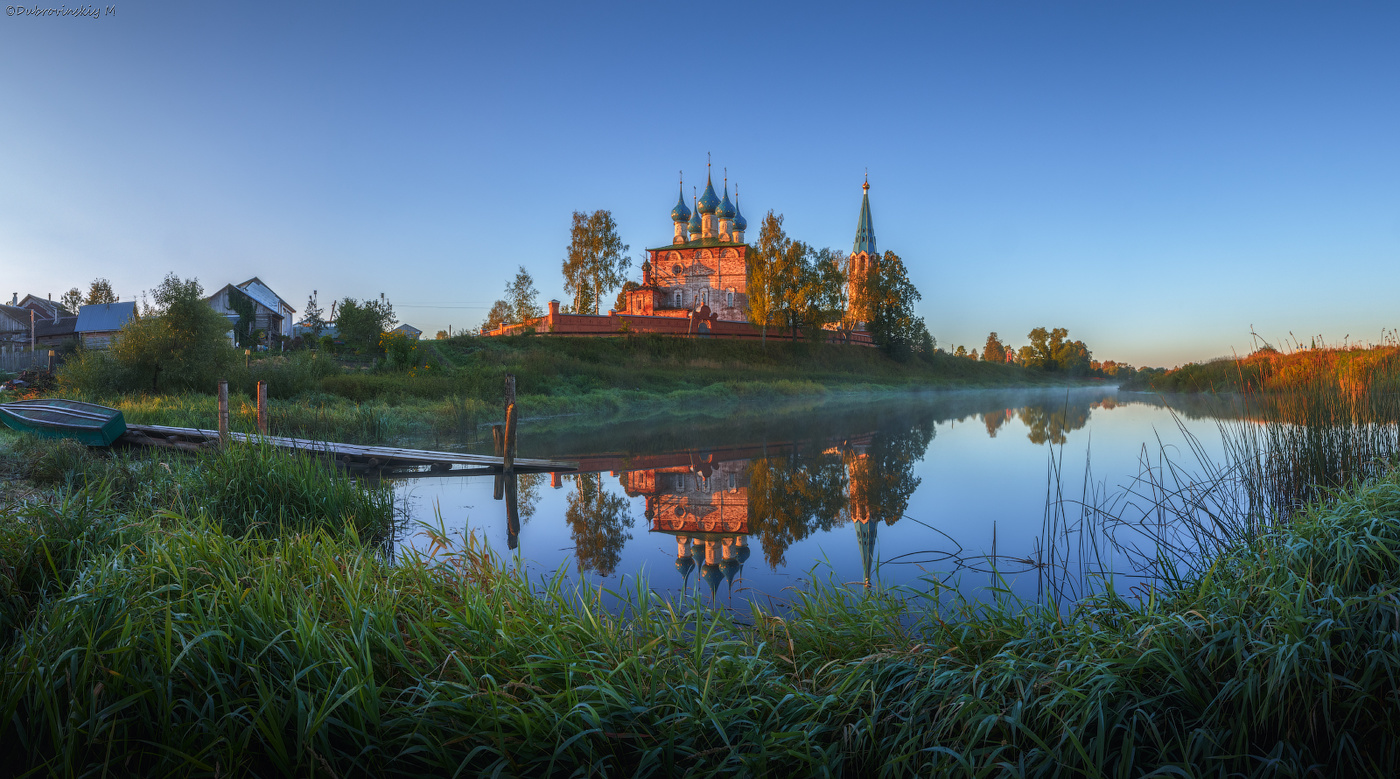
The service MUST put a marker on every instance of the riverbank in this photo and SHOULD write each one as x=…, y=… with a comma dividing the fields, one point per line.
x=194, y=636
x=1345, y=371
x=459, y=382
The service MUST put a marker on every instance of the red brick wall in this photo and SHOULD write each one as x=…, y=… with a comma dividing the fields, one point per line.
x=675, y=324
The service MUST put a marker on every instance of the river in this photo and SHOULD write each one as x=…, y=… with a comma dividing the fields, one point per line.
x=751, y=503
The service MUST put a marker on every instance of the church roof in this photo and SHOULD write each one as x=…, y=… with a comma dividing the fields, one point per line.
x=680, y=213
x=865, y=228
x=725, y=209
x=703, y=243
x=709, y=201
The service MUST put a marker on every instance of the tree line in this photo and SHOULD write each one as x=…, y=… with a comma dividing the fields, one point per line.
x=1048, y=350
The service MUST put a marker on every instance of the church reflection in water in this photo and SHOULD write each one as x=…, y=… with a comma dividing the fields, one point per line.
x=719, y=505
x=732, y=507
x=705, y=505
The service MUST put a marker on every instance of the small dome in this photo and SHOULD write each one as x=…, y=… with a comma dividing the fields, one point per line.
x=712, y=576
x=728, y=568
x=681, y=213
x=709, y=201
x=726, y=208
x=740, y=223
x=695, y=223
x=684, y=565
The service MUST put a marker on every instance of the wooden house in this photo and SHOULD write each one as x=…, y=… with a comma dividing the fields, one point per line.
x=271, y=313
x=97, y=324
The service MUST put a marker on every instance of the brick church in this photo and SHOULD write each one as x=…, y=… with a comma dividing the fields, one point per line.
x=698, y=284
x=705, y=266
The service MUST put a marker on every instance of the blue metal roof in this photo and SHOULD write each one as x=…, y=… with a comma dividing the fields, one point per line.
x=726, y=208
x=105, y=317
x=709, y=201
x=865, y=228
x=695, y=223
x=680, y=213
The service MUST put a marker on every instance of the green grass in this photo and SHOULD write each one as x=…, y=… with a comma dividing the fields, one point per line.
x=147, y=638
x=1348, y=371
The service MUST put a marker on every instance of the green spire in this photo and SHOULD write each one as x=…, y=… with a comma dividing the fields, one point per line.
x=865, y=228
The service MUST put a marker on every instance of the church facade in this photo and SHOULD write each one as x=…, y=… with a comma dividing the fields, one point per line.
x=704, y=266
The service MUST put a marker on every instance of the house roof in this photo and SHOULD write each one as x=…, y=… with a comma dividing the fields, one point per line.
x=47, y=328
x=269, y=298
x=43, y=305
x=406, y=329
x=104, y=317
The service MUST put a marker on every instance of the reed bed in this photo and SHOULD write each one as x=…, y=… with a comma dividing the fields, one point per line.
x=147, y=638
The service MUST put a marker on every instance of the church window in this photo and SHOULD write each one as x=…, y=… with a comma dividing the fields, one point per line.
x=680, y=300
x=729, y=298
x=732, y=486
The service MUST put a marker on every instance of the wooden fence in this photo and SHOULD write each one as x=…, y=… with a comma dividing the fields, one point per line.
x=17, y=360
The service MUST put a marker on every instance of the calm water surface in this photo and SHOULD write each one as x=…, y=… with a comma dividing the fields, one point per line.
x=884, y=491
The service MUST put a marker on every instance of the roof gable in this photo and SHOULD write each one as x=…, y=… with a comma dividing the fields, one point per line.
x=257, y=289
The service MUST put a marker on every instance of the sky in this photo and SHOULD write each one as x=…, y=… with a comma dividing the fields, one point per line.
x=1160, y=178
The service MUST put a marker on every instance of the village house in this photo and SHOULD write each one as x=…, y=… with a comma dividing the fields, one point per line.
x=271, y=314
x=408, y=330
x=14, y=327
x=97, y=324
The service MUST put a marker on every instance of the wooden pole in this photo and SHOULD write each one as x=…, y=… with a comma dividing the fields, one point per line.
x=512, y=512
x=51, y=360
x=498, y=434
x=510, y=392
x=262, y=407
x=508, y=462
x=223, y=412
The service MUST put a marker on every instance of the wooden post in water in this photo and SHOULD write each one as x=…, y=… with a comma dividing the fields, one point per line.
x=498, y=435
x=508, y=456
x=508, y=461
x=223, y=412
x=512, y=512
x=262, y=408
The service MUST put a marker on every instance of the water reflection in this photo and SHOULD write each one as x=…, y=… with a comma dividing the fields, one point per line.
x=799, y=489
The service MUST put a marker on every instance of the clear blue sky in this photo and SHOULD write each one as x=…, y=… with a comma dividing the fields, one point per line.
x=1157, y=177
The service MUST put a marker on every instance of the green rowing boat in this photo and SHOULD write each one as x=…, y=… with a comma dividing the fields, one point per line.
x=89, y=423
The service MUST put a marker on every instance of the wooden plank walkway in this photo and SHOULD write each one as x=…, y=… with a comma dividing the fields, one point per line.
x=351, y=455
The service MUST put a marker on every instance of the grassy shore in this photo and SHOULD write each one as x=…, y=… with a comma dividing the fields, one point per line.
x=459, y=385
x=155, y=623
x=1346, y=371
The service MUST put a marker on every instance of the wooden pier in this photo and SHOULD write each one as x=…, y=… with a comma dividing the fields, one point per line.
x=353, y=456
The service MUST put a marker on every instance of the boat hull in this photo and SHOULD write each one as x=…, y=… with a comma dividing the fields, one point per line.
x=88, y=423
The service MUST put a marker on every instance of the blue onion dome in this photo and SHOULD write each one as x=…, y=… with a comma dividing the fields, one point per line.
x=740, y=223
x=709, y=201
x=728, y=568
x=695, y=223
x=681, y=213
x=726, y=209
x=684, y=565
x=742, y=553
x=710, y=573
